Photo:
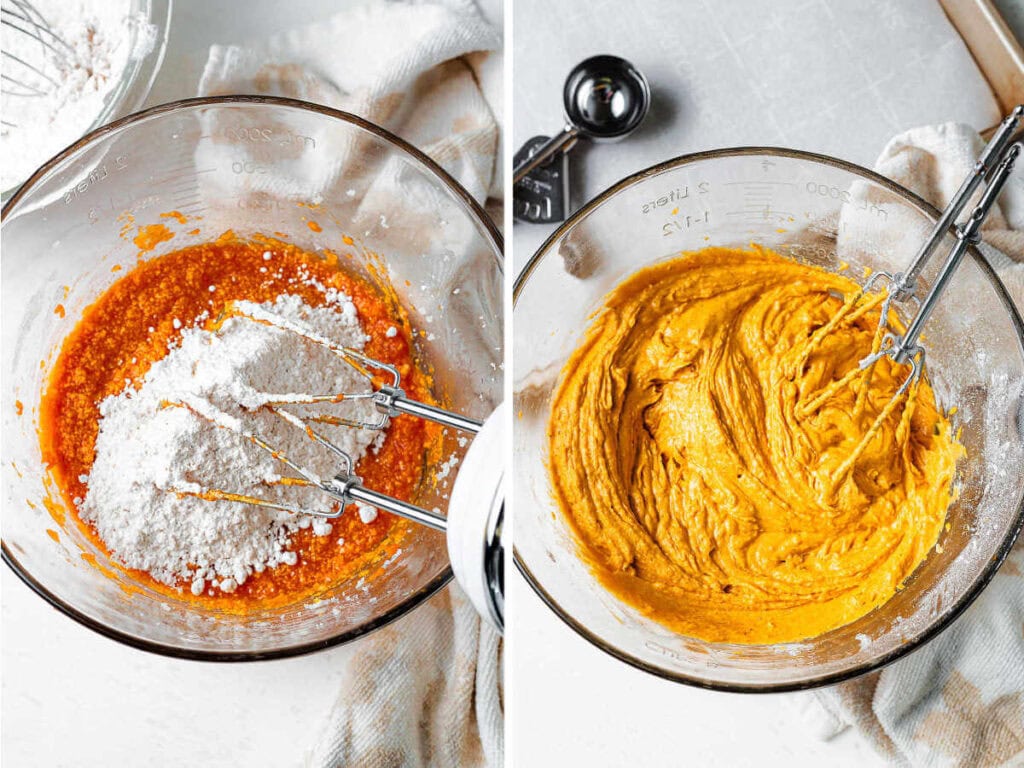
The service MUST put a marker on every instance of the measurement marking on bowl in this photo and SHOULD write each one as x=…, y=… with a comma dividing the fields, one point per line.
x=185, y=173
x=760, y=213
x=659, y=648
x=191, y=188
x=98, y=174
x=247, y=166
x=128, y=204
x=259, y=134
x=188, y=204
x=681, y=192
x=190, y=194
x=682, y=222
x=192, y=207
x=827, y=190
x=184, y=189
x=763, y=182
x=256, y=204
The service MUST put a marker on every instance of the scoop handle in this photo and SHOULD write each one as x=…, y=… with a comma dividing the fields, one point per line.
x=561, y=142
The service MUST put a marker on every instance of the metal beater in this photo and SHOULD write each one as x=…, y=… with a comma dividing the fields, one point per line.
x=473, y=525
x=35, y=77
x=993, y=168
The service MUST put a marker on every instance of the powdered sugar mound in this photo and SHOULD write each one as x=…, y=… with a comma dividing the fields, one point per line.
x=181, y=432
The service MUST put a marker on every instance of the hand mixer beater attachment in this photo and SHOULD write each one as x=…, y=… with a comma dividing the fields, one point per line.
x=476, y=505
x=992, y=168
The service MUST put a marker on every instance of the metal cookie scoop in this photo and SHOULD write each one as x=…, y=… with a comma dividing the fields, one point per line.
x=605, y=99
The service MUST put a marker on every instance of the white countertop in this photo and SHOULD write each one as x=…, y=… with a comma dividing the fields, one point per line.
x=831, y=77
x=576, y=706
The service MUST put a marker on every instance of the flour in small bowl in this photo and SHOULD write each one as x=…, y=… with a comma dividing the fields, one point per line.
x=151, y=454
x=53, y=94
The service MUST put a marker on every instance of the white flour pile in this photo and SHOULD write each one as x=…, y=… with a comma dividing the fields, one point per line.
x=146, y=451
x=41, y=118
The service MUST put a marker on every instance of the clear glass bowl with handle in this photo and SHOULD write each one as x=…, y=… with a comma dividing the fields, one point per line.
x=824, y=212
x=252, y=165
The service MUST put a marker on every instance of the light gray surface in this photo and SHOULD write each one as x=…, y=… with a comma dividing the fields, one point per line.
x=826, y=76
x=74, y=699
x=573, y=705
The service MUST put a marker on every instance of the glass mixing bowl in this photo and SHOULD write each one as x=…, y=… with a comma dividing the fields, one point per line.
x=821, y=211
x=326, y=179
x=149, y=22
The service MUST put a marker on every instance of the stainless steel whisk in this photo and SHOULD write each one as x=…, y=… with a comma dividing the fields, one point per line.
x=992, y=168
x=41, y=73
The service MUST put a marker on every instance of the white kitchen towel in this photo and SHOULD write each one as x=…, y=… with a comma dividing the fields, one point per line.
x=424, y=692
x=959, y=700
x=412, y=67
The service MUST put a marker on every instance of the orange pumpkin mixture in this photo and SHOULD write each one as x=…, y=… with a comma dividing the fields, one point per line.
x=706, y=488
x=132, y=325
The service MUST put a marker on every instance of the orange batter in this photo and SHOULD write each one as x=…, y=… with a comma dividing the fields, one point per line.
x=112, y=342
x=711, y=480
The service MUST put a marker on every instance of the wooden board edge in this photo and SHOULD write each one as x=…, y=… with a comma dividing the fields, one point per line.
x=993, y=46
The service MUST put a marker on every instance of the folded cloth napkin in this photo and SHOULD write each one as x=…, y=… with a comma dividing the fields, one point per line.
x=412, y=67
x=425, y=691
x=959, y=700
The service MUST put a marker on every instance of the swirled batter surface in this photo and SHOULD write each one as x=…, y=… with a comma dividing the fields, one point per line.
x=709, y=483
